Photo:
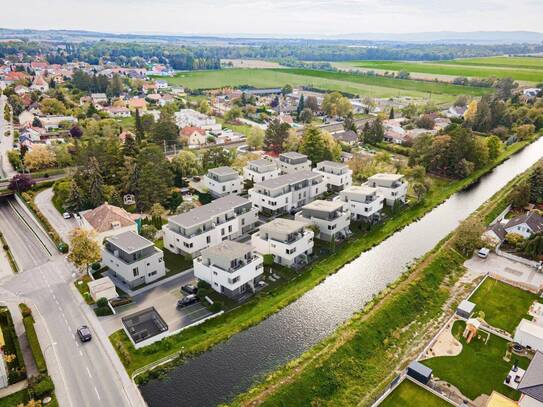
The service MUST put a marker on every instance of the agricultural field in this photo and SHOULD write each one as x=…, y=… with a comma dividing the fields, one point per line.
x=345, y=82
x=525, y=69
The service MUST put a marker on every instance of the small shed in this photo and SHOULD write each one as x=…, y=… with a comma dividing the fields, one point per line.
x=102, y=288
x=419, y=372
x=465, y=309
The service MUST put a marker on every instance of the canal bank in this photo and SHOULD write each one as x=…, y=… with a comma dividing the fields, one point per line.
x=230, y=367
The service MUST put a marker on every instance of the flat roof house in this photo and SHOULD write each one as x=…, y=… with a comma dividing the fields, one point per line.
x=392, y=186
x=108, y=220
x=231, y=268
x=225, y=218
x=287, y=240
x=133, y=259
x=338, y=176
x=529, y=333
x=260, y=170
x=292, y=162
x=330, y=217
x=364, y=202
x=222, y=181
x=287, y=192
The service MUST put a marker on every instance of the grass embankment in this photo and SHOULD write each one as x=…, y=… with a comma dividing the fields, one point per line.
x=9, y=254
x=409, y=394
x=262, y=305
x=480, y=368
x=354, y=365
x=503, y=305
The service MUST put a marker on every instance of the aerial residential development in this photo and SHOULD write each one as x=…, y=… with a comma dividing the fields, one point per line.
x=292, y=217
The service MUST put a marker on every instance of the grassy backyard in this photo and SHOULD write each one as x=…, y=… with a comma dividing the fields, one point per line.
x=408, y=394
x=503, y=305
x=14, y=399
x=175, y=263
x=480, y=368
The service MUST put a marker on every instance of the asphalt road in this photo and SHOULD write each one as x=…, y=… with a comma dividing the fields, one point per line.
x=87, y=374
x=6, y=143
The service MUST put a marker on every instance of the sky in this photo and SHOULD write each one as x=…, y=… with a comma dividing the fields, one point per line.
x=273, y=17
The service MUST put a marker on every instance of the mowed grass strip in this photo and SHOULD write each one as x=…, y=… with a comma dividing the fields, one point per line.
x=512, y=62
x=503, y=305
x=409, y=394
x=455, y=68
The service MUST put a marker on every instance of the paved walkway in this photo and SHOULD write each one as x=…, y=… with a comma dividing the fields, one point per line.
x=44, y=201
x=14, y=388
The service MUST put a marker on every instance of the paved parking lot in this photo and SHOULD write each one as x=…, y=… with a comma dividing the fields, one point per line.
x=164, y=298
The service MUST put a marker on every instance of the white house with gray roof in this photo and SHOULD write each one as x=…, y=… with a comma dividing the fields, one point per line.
x=231, y=268
x=222, y=181
x=287, y=192
x=332, y=218
x=133, y=259
x=289, y=241
x=292, y=162
x=337, y=175
x=225, y=218
x=392, y=186
x=531, y=383
x=260, y=170
x=365, y=203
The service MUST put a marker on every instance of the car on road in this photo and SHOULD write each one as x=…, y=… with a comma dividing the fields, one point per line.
x=84, y=333
x=66, y=215
x=186, y=301
x=189, y=289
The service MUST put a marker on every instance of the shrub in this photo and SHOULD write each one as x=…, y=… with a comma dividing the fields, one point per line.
x=203, y=285
x=34, y=344
x=514, y=239
x=95, y=266
x=102, y=311
x=102, y=302
x=25, y=310
x=42, y=387
x=63, y=247
x=216, y=306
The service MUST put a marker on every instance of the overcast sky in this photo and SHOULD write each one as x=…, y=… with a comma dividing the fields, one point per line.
x=277, y=17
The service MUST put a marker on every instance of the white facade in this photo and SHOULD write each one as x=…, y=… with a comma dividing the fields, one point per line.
x=225, y=218
x=192, y=118
x=287, y=240
x=392, y=186
x=530, y=334
x=293, y=162
x=223, y=181
x=331, y=217
x=364, y=203
x=338, y=176
x=230, y=268
x=133, y=259
x=260, y=170
x=287, y=192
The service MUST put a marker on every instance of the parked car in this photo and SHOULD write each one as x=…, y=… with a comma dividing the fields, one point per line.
x=483, y=252
x=66, y=215
x=84, y=333
x=186, y=301
x=189, y=289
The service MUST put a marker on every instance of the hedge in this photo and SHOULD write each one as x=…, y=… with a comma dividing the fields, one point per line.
x=16, y=368
x=34, y=343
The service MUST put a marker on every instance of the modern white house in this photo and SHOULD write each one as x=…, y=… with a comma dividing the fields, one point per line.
x=529, y=333
x=337, y=175
x=222, y=181
x=289, y=241
x=292, y=162
x=225, y=218
x=192, y=118
x=133, y=259
x=331, y=217
x=260, y=170
x=231, y=268
x=392, y=186
x=287, y=192
x=364, y=203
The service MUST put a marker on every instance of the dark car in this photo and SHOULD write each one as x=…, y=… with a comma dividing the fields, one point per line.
x=188, y=300
x=189, y=289
x=84, y=333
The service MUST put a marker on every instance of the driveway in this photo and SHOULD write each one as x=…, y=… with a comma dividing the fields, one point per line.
x=44, y=201
x=505, y=269
x=164, y=298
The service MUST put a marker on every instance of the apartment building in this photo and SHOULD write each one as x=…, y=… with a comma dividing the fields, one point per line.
x=225, y=218
x=192, y=118
x=260, y=170
x=231, y=268
x=292, y=162
x=222, y=181
x=332, y=218
x=133, y=259
x=287, y=192
x=289, y=241
x=392, y=186
x=338, y=176
x=364, y=203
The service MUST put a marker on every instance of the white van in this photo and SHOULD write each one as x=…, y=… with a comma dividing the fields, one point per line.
x=483, y=252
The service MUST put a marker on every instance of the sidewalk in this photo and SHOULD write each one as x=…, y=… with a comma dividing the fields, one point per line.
x=13, y=388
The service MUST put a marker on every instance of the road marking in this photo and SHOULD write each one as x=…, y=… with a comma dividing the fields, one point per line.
x=89, y=373
x=97, y=394
x=73, y=336
x=80, y=352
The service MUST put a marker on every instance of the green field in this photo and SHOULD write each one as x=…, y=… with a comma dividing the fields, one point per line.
x=350, y=83
x=408, y=394
x=522, y=69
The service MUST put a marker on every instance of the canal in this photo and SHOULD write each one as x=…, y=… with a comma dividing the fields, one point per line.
x=231, y=367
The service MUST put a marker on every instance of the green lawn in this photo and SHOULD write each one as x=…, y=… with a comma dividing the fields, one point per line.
x=350, y=83
x=175, y=263
x=512, y=62
x=473, y=68
x=408, y=394
x=480, y=368
x=504, y=305
x=14, y=399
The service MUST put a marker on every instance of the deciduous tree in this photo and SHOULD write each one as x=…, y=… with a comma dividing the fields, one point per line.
x=84, y=249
